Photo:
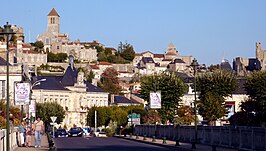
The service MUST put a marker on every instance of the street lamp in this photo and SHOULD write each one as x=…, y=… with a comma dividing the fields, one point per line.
x=194, y=65
x=38, y=82
x=131, y=88
x=7, y=32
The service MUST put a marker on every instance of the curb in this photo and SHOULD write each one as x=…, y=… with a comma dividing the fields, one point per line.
x=179, y=148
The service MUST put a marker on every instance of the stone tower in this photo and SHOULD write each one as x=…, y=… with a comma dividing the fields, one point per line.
x=261, y=55
x=53, y=22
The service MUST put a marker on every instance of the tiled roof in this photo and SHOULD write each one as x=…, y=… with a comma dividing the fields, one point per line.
x=94, y=66
x=53, y=13
x=30, y=52
x=104, y=63
x=138, y=54
x=158, y=55
x=167, y=60
x=170, y=53
x=124, y=100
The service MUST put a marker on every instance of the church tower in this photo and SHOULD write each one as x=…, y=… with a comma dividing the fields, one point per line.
x=53, y=22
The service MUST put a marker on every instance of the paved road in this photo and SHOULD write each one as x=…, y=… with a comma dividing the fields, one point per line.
x=103, y=144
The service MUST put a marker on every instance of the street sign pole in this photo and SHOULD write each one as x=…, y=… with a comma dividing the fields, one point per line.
x=53, y=118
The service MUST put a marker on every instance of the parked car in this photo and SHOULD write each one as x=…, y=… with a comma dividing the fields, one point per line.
x=61, y=133
x=75, y=132
x=102, y=134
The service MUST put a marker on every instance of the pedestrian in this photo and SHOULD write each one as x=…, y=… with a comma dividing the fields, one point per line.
x=38, y=128
x=22, y=132
x=28, y=136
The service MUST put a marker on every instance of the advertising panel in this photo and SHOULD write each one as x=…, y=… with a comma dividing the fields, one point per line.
x=155, y=100
x=22, y=93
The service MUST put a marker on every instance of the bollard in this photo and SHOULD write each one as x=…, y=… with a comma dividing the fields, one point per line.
x=137, y=136
x=177, y=142
x=153, y=139
x=130, y=136
x=193, y=145
x=144, y=137
x=213, y=147
x=164, y=140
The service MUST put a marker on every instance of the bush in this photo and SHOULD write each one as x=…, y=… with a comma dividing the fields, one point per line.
x=108, y=132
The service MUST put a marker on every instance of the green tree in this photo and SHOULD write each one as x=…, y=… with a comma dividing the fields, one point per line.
x=109, y=81
x=184, y=115
x=213, y=88
x=172, y=87
x=38, y=46
x=48, y=109
x=126, y=51
x=255, y=87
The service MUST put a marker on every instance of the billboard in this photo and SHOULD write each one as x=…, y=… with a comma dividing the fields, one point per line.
x=32, y=108
x=22, y=93
x=155, y=100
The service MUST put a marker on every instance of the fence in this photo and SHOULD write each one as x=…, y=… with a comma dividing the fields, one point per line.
x=251, y=138
x=12, y=139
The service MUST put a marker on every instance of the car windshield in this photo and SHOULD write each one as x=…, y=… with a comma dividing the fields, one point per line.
x=75, y=129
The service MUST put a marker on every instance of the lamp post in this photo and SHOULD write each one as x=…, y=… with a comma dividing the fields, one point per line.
x=131, y=88
x=194, y=65
x=7, y=32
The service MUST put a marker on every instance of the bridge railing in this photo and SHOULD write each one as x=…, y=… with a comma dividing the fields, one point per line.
x=240, y=137
x=13, y=138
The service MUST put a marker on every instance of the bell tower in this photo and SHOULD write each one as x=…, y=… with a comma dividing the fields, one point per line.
x=53, y=22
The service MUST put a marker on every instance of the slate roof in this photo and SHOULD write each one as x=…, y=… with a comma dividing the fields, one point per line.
x=70, y=76
x=124, y=100
x=147, y=60
x=3, y=61
x=253, y=64
x=92, y=88
x=225, y=65
x=177, y=60
x=51, y=83
x=53, y=13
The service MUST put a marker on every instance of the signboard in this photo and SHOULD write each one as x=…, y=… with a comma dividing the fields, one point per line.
x=32, y=108
x=53, y=118
x=22, y=93
x=155, y=100
x=133, y=115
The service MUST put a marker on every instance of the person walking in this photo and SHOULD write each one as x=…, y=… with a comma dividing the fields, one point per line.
x=22, y=132
x=28, y=136
x=38, y=128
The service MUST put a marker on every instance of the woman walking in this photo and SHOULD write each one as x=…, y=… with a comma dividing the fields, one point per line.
x=38, y=128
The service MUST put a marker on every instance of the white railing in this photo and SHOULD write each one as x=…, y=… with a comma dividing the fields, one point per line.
x=12, y=139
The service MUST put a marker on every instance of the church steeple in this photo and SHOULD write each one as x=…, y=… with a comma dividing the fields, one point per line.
x=53, y=22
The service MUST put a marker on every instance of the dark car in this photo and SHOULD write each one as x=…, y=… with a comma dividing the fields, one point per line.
x=75, y=132
x=61, y=133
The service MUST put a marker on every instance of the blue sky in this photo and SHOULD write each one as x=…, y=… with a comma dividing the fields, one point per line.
x=206, y=29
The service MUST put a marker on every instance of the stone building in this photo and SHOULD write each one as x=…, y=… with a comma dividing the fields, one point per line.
x=57, y=42
x=73, y=93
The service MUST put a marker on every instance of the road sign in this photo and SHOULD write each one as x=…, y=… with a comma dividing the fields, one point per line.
x=53, y=118
x=133, y=116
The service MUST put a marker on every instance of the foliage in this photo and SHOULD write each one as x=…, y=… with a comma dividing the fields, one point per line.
x=15, y=115
x=38, y=46
x=151, y=117
x=126, y=51
x=172, y=88
x=109, y=81
x=253, y=109
x=48, y=109
x=213, y=68
x=184, y=115
x=213, y=88
x=51, y=68
x=59, y=57
x=88, y=75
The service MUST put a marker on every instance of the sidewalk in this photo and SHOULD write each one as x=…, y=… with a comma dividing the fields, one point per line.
x=44, y=145
x=172, y=144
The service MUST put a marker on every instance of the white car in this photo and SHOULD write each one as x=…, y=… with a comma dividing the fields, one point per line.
x=101, y=134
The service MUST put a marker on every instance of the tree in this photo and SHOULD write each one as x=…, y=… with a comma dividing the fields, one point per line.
x=109, y=81
x=184, y=115
x=48, y=109
x=172, y=87
x=126, y=51
x=213, y=88
x=255, y=87
x=38, y=46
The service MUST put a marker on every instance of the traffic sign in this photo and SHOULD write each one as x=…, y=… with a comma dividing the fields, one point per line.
x=53, y=118
x=133, y=116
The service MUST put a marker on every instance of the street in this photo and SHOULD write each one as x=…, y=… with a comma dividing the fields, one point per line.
x=103, y=144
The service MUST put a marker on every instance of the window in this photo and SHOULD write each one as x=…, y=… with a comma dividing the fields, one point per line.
x=47, y=41
x=57, y=47
x=2, y=89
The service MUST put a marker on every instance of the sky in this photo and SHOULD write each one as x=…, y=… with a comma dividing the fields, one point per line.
x=208, y=30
